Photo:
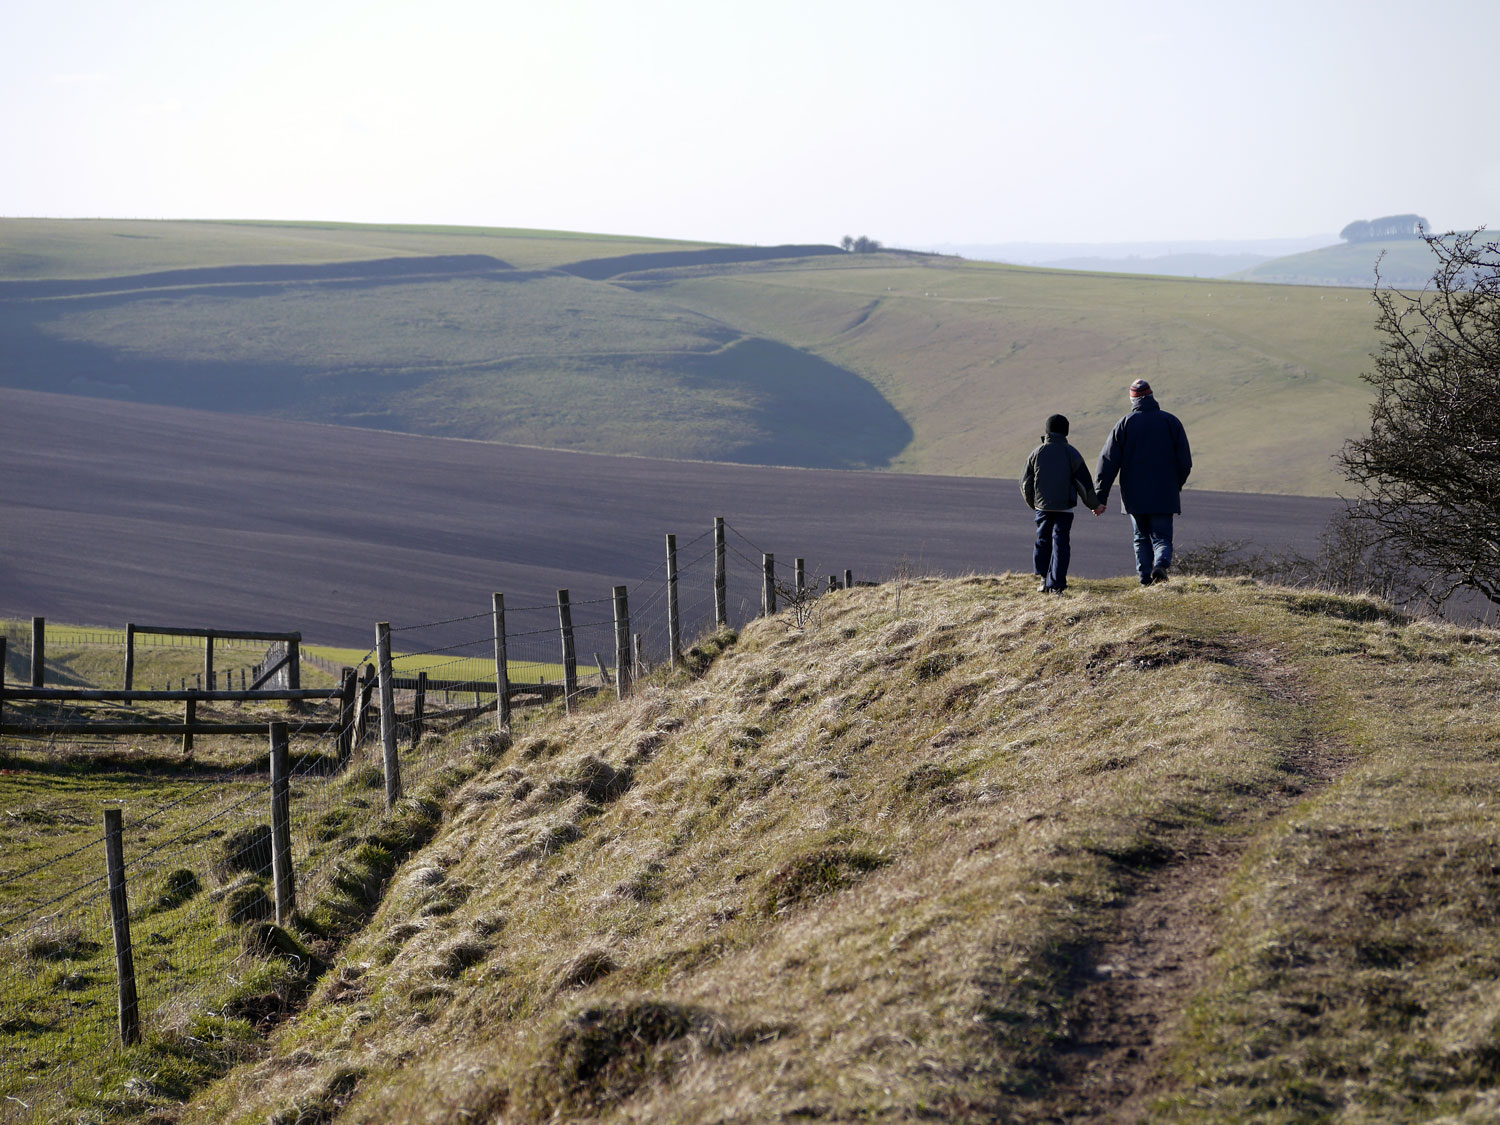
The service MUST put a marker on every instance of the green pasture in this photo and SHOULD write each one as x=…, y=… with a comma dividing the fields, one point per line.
x=917, y=363
x=209, y=987
x=86, y=656
x=976, y=356
x=441, y=666
x=93, y=656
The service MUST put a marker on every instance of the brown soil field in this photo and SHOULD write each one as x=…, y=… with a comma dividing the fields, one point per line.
x=115, y=512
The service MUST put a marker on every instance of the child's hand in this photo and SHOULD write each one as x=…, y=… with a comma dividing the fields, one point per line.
x=1099, y=511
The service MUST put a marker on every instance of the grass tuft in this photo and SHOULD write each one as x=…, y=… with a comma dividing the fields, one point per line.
x=598, y=1055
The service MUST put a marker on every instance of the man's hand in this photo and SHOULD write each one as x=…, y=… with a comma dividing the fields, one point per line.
x=1099, y=511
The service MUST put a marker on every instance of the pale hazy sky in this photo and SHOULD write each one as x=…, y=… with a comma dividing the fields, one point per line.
x=921, y=122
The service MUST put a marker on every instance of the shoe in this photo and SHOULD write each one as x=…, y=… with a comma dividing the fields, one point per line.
x=1159, y=574
x=1044, y=588
x=1146, y=579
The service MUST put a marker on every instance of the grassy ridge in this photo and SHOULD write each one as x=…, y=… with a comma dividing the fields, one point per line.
x=77, y=248
x=876, y=870
x=913, y=362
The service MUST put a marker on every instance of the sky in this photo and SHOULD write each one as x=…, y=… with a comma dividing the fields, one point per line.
x=942, y=122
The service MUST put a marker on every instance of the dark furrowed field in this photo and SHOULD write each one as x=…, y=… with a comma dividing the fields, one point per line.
x=115, y=512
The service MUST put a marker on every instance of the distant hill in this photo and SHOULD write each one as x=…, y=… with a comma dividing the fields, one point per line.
x=1168, y=265
x=804, y=355
x=1180, y=258
x=1405, y=262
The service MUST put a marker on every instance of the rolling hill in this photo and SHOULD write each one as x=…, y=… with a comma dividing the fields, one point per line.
x=1205, y=852
x=1406, y=263
x=799, y=356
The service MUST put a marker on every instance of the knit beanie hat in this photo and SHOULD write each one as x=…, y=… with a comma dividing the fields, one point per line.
x=1140, y=389
x=1057, y=424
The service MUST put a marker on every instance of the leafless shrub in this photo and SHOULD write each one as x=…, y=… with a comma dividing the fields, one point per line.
x=1352, y=558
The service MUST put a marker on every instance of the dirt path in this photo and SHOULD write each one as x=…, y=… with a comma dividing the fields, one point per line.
x=1139, y=984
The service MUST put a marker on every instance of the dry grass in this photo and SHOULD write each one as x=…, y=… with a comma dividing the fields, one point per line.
x=866, y=871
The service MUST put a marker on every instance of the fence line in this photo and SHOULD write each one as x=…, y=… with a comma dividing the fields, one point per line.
x=238, y=845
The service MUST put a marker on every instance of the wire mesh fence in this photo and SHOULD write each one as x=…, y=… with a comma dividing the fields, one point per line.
x=198, y=831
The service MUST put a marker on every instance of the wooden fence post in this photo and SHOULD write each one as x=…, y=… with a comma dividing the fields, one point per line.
x=622, y=641
x=569, y=651
x=674, y=623
x=294, y=671
x=189, y=717
x=129, y=657
x=119, y=911
x=721, y=588
x=848, y=579
x=799, y=575
x=348, y=694
x=208, y=659
x=637, y=656
x=418, y=709
x=38, y=651
x=362, y=713
x=281, y=824
x=833, y=583
x=388, y=715
x=502, y=668
x=768, y=585
x=2, y=679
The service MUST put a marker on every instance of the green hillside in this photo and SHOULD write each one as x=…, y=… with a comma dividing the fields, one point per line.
x=1199, y=853
x=916, y=363
x=1403, y=262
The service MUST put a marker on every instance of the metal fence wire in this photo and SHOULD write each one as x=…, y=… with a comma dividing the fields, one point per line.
x=198, y=857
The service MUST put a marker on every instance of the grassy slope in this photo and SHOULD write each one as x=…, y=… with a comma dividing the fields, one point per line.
x=709, y=362
x=1405, y=262
x=878, y=871
x=976, y=355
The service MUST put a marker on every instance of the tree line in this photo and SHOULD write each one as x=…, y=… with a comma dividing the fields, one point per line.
x=1388, y=226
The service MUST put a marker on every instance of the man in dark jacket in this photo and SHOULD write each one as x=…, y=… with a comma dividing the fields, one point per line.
x=1056, y=475
x=1148, y=450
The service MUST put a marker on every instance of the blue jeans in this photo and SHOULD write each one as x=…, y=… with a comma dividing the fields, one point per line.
x=1052, y=551
x=1153, y=542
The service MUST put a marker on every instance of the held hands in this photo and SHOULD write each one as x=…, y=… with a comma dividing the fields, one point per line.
x=1099, y=511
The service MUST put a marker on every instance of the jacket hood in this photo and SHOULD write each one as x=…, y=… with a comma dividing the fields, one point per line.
x=1145, y=402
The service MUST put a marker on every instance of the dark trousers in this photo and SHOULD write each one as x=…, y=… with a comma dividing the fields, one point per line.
x=1153, y=543
x=1052, y=552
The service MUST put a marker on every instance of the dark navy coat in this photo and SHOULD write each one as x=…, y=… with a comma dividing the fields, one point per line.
x=1148, y=451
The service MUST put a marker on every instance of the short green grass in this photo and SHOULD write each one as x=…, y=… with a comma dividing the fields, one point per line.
x=94, y=657
x=214, y=978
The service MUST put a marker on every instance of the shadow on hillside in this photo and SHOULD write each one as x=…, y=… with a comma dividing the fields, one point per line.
x=754, y=401
x=380, y=271
x=814, y=414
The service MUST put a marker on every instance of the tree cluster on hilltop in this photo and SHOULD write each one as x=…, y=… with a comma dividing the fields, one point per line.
x=861, y=245
x=1388, y=226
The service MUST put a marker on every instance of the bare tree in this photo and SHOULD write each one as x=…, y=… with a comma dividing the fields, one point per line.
x=1430, y=467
